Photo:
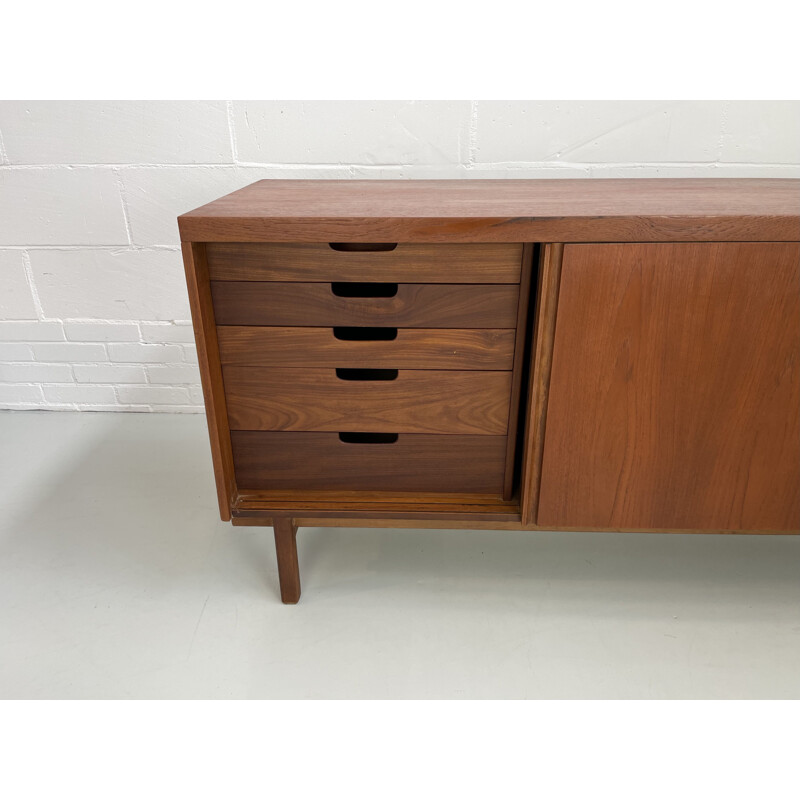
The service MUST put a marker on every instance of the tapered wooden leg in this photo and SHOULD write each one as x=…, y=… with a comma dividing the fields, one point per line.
x=286, y=549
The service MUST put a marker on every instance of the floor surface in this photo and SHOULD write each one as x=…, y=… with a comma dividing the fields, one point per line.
x=117, y=580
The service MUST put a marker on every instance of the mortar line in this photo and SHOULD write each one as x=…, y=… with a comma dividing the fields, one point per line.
x=232, y=132
x=298, y=166
x=95, y=321
x=472, y=143
x=722, y=130
x=123, y=200
x=123, y=248
x=4, y=159
x=122, y=165
x=37, y=302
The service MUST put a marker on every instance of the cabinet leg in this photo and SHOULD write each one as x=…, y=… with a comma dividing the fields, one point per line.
x=286, y=549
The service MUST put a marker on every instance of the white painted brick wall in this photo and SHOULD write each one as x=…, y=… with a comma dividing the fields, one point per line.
x=93, y=307
x=16, y=300
x=60, y=206
x=115, y=284
x=133, y=132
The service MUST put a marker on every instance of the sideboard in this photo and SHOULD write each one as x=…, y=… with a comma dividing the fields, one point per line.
x=502, y=354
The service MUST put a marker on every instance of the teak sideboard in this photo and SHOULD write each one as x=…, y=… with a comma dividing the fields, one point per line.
x=509, y=354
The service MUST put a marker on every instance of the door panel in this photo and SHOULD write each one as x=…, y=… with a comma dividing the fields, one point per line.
x=674, y=398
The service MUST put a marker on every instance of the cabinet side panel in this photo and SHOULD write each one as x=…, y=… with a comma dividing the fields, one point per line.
x=519, y=369
x=539, y=383
x=675, y=388
x=205, y=333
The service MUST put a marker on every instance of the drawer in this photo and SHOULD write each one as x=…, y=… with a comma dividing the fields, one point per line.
x=395, y=348
x=406, y=263
x=400, y=401
x=363, y=462
x=350, y=303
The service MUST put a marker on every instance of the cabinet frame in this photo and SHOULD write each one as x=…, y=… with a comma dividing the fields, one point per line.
x=543, y=216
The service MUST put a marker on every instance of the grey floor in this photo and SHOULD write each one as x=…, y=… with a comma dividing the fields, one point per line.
x=117, y=580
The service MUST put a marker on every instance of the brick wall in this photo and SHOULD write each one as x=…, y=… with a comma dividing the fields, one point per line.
x=93, y=308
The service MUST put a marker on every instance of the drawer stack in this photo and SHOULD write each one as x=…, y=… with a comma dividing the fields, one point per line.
x=358, y=367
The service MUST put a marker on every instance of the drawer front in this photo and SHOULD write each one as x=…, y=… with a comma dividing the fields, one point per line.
x=404, y=401
x=393, y=348
x=402, y=305
x=411, y=263
x=413, y=463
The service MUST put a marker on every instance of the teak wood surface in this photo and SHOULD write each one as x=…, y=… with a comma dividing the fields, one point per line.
x=406, y=263
x=544, y=324
x=285, y=530
x=411, y=348
x=411, y=306
x=416, y=401
x=656, y=379
x=205, y=334
x=414, y=463
x=675, y=389
x=520, y=373
x=450, y=211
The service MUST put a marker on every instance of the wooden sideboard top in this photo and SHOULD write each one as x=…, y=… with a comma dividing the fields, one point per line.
x=563, y=210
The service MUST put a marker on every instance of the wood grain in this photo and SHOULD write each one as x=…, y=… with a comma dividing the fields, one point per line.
x=443, y=521
x=483, y=211
x=513, y=445
x=413, y=348
x=342, y=500
x=414, y=305
x=205, y=333
x=306, y=520
x=675, y=390
x=418, y=401
x=539, y=380
x=407, y=263
x=405, y=511
x=285, y=531
x=414, y=463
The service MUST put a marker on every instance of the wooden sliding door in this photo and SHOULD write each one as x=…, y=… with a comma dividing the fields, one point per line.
x=674, y=397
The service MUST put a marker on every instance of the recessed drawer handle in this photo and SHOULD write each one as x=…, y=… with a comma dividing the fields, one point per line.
x=342, y=289
x=363, y=247
x=368, y=438
x=366, y=374
x=365, y=334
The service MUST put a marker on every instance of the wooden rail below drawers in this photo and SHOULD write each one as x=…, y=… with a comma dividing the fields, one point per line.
x=417, y=401
x=412, y=348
